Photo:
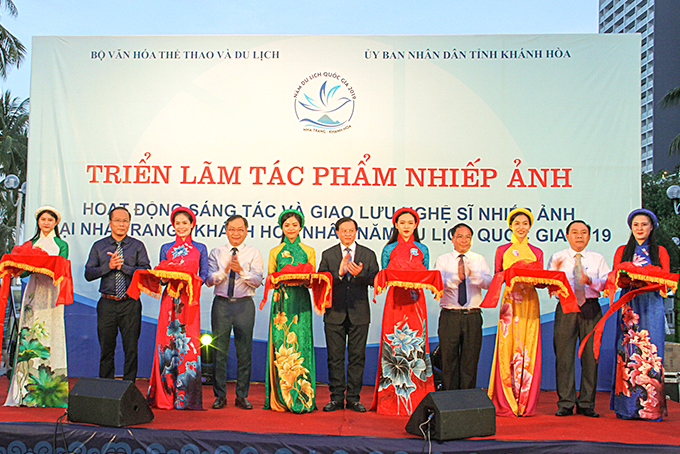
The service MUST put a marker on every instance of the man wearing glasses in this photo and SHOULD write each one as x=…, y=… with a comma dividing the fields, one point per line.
x=114, y=260
x=235, y=270
x=353, y=267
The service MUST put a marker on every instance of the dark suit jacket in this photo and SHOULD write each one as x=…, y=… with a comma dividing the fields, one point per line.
x=350, y=297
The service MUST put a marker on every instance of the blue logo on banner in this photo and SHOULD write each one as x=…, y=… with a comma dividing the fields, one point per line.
x=329, y=107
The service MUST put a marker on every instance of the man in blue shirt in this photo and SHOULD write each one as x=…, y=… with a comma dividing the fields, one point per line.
x=114, y=260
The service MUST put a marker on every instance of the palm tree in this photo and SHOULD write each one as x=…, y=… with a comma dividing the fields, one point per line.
x=13, y=135
x=672, y=99
x=12, y=52
x=13, y=154
x=13, y=128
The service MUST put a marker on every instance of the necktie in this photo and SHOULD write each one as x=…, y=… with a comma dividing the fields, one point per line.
x=579, y=288
x=347, y=251
x=232, y=276
x=462, y=289
x=120, y=277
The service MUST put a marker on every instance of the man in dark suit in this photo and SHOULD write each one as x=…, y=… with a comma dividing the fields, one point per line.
x=114, y=260
x=346, y=324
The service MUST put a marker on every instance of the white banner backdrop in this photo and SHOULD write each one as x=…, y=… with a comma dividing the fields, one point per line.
x=462, y=128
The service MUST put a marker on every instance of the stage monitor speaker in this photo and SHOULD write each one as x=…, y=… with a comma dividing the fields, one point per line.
x=452, y=415
x=105, y=402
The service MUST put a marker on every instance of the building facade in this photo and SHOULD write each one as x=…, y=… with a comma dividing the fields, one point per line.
x=657, y=22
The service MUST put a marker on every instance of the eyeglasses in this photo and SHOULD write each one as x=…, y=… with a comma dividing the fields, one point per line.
x=236, y=230
x=120, y=221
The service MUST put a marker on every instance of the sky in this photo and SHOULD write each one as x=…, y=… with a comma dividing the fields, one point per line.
x=304, y=17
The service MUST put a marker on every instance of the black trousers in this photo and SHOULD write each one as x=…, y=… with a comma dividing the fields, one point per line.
x=353, y=339
x=568, y=328
x=113, y=316
x=239, y=316
x=460, y=341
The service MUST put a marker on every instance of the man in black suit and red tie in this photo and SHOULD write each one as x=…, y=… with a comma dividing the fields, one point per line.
x=346, y=324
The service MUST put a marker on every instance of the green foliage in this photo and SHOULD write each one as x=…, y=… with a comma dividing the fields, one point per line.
x=672, y=99
x=654, y=198
x=12, y=52
x=30, y=346
x=13, y=129
x=47, y=389
x=675, y=145
x=13, y=135
x=13, y=156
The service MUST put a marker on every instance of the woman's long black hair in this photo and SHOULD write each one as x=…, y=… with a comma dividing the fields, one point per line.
x=37, y=227
x=629, y=250
x=395, y=232
x=286, y=217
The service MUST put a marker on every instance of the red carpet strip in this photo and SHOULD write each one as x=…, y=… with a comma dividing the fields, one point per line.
x=544, y=426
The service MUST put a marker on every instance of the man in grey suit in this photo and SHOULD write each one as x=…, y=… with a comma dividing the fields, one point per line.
x=346, y=324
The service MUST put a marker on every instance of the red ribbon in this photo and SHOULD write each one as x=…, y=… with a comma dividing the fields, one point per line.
x=172, y=271
x=655, y=279
x=303, y=274
x=525, y=272
x=29, y=258
x=409, y=279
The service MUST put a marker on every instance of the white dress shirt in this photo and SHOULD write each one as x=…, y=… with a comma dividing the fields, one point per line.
x=246, y=282
x=352, y=253
x=594, y=266
x=478, y=277
x=352, y=250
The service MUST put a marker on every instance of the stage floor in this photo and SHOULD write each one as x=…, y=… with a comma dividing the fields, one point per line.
x=544, y=426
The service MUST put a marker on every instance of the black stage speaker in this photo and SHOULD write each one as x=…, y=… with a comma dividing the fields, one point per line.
x=105, y=402
x=462, y=413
